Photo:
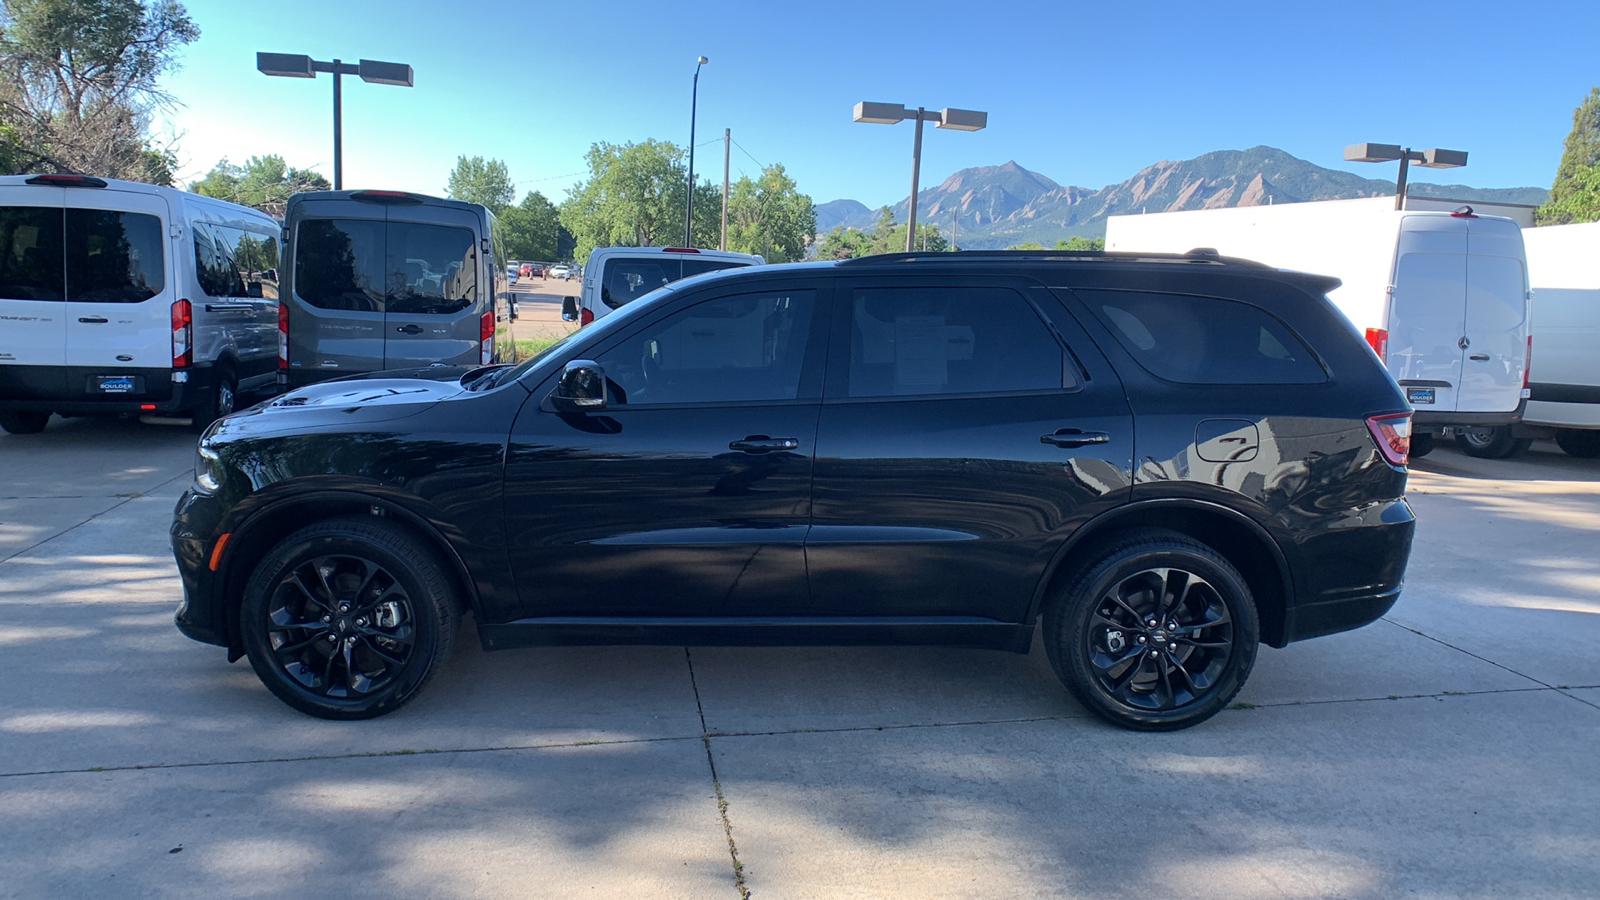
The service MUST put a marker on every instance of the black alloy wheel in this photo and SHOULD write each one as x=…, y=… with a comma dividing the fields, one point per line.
x=347, y=619
x=1491, y=442
x=1158, y=632
x=23, y=421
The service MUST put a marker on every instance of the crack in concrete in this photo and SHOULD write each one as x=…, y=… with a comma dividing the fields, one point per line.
x=126, y=499
x=1564, y=690
x=722, y=799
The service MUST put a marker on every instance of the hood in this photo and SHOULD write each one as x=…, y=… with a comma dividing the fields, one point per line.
x=356, y=400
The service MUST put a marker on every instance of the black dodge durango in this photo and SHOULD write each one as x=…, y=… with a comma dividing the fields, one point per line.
x=1160, y=461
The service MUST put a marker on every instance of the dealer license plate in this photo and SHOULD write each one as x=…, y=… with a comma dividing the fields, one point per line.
x=1419, y=395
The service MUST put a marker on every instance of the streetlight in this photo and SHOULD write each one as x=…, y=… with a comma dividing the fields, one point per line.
x=891, y=113
x=293, y=65
x=688, y=210
x=1431, y=158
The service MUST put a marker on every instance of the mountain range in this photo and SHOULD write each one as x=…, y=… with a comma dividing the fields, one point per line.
x=993, y=207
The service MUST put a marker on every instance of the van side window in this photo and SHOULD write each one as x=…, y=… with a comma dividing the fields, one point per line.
x=1204, y=340
x=31, y=246
x=114, y=257
x=934, y=340
x=232, y=262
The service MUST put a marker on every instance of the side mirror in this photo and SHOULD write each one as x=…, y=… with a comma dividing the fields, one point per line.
x=582, y=386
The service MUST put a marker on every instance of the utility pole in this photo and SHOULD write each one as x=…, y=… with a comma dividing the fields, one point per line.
x=955, y=226
x=727, y=144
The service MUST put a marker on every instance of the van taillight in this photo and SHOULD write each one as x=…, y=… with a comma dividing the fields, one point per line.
x=283, y=336
x=585, y=316
x=1393, y=434
x=182, y=334
x=1378, y=340
x=486, y=338
x=1527, y=364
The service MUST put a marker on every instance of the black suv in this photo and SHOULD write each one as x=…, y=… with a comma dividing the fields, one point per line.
x=1165, y=459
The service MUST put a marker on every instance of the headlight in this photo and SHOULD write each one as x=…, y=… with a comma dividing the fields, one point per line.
x=207, y=469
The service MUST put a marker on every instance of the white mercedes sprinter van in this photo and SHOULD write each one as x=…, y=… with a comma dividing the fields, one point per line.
x=1442, y=297
x=617, y=276
x=119, y=297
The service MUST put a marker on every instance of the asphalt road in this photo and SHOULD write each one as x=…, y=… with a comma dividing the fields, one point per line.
x=1446, y=751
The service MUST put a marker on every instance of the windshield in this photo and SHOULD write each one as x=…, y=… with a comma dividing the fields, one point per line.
x=376, y=266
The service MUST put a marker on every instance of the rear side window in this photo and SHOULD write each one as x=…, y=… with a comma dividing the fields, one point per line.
x=232, y=262
x=84, y=255
x=1204, y=340
x=30, y=253
x=375, y=266
x=908, y=341
x=626, y=280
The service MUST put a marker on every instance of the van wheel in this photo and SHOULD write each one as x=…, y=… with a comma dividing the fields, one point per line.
x=1155, y=633
x=348, y=618
x=1582, y=444
x=223, y=398
x=1495, y=442
x=1421, y=444
x=20, y=422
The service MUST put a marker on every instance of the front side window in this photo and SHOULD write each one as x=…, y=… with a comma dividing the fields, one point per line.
x=113, y=257
x=910, y=341
x=1204, y=340
x=31, y=246
x=745, y=348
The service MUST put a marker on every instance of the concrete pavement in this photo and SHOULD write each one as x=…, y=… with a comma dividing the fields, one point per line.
x=1447, y=751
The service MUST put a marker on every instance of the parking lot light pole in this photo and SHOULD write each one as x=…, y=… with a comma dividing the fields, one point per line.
x=293, y=65
x=891, y=113
x=1431, y=158
x=688, y=209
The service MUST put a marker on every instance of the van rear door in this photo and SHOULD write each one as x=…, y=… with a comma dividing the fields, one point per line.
x=1427, y=315
x=120, y=284
x=336, y=319
x=1496, y=331
x=33, y=314
x=437, y=282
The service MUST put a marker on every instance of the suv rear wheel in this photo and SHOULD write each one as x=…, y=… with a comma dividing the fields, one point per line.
x=1582, y=444
x=348, y=619
x=1157, y=632
x=23, y=422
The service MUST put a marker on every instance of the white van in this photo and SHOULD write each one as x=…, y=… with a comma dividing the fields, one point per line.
x=1442, y=297
x=118, y=297
x=616, y=276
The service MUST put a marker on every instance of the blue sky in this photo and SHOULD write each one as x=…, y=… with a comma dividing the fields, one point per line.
x=1084, y=93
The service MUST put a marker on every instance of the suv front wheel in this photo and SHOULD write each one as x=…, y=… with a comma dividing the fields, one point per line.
x=1156, y=632
x=348, y=618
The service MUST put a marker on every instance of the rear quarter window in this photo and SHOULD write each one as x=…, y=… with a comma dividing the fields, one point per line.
x=1192, y=339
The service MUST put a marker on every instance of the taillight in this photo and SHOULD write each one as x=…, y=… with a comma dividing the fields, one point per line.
x=1378, y=340
x=283, y=336
x=585, y=316
x=1393, y=434
x=1527, y=364
x=486, y=338
x=182, y=334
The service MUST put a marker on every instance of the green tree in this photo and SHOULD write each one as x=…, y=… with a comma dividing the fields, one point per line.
x=264, y=182
x=1574, y=196
x=844, y=243
x=79, y=81
x=532, y=229
x=1081, y=243
x=1030, y=245
x=885, y=237
x=635, y=196
x=769, y=216
x=485, y=181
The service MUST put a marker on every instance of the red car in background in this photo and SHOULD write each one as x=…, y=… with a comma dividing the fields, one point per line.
x=530, y=270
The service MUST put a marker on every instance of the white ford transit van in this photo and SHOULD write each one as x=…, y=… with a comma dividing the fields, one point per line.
x=1442, y=297
x=616, y=276
x=119, y=297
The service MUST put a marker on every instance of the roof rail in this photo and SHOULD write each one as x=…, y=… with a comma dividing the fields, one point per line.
x=1205, y=255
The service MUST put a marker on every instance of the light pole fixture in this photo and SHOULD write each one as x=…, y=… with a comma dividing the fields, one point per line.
x=1431, y=158
x=688, y=208
x=891, y=113
x=293, y=65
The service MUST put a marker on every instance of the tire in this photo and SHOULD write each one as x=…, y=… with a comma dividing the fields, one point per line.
x=1575, y=442
x=23, y=421
x=1422, y=444
x=314, y=594
x=1097, y=629
x=1495, y=442
x=223, y=398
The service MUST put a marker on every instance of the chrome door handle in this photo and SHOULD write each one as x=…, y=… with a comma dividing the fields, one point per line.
x=1480, y=357
x=757, y=443
x=1072, y=437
